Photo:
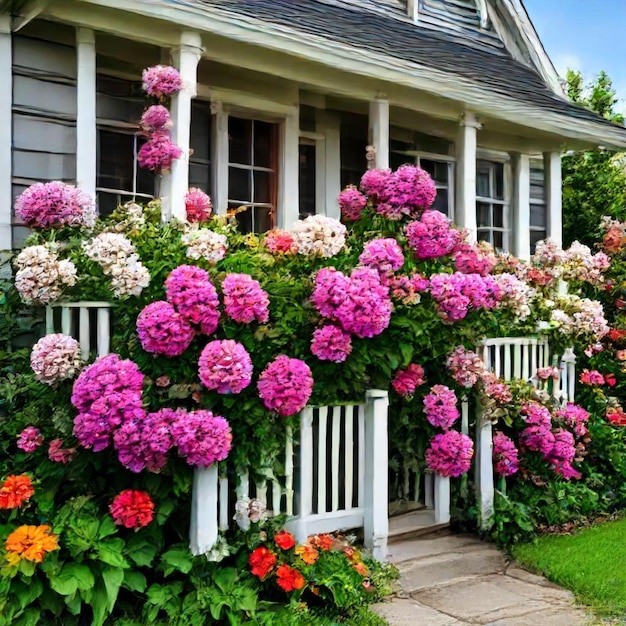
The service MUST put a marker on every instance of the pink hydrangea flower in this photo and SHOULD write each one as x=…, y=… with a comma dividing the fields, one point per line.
x=466, y=367
x=450, y=453
x=432, y=236
x=202, y=438
x=538, y=438
x=351, y=203
x=285, y=385
x=225, y=366
x=407, y=380
x=163, y=331
x=575, y=417
x=545, y=373
x=161, y=80
x=374, y=183
x=58, y=454
x=474, y=258
x=383, y=255
x=496, y=389
x=331, y=343
x=562, y=454
x=407, y=289
x=505, y=455
x=331, y=290
x=29, y=439
x=189, y=289
x=54, y=358
x=592, y=378
x=156, y=118
x=440, y=407
x=536, y=414
x=198, y=205
x=279, y=241
x=244, y=299
x=158, y=152
x=54, y=205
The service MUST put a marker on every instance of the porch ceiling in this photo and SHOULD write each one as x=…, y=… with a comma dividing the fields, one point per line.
x=359, y=44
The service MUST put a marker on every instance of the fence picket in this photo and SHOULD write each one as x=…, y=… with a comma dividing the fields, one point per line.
x=349, y=456
x=334, y=468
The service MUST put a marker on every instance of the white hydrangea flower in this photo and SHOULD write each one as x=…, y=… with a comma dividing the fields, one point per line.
x=54, y=358
x=319, y=235
x=206, y=244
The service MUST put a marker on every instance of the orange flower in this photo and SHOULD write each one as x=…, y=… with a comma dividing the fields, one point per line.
x=325, y=542
x=15, y=490
x=285, y=540
x=261, y=561
x=360, y=567
x=30, y=543
x=289, y=578
x=307, y=553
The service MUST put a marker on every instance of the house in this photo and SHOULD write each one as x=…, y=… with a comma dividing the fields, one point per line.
x=286, y=102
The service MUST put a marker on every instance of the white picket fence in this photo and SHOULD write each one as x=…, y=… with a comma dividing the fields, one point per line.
x=336, y=465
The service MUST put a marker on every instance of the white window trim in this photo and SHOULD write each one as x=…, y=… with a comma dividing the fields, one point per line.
x=319, y=141
x=505, y=203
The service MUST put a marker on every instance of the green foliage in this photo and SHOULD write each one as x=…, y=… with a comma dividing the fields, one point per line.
x=594, y=181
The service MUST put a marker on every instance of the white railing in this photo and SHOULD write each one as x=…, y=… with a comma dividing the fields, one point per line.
x=514, y=358
x=335, y=479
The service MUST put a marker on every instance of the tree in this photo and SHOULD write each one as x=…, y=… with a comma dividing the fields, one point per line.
x=594, y=181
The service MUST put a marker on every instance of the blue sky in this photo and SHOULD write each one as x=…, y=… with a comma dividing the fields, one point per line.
x=586, y=35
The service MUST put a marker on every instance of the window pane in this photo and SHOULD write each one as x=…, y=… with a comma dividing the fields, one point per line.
x=396, y=160
x=263, y=134
x=484, y=235
x=115, y=165
x=441, y=201
x=244, y=219
x=239, y=140
x=483, y=214
x=200, y=138
x=437, y=169
x=499, y=180
x=535, y=237
x=538, y=215
x=353, y=162
x=199, y=176
x=498, y=240
x=239, y=185
x=262, y=219
x=537, y=191
x=262, y=186
x=306, y=180
x=482, y=183
x=498, y=216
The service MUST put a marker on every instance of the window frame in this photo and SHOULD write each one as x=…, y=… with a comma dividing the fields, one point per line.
x=535, y=201
x=504, y=203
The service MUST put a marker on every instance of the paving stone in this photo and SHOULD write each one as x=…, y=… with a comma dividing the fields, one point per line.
x=550, y=617
x=411, y=613
x=546, y=591
x=421, y=548
x=447, y=568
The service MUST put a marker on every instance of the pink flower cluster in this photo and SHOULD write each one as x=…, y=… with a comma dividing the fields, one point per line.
x=198, y=205
x=162, y=330
x=29, y=439
x=161, y=80
x=285, y=385
x=106, y=394
x=580, y=264
x=351, y=203
x=331, y=343
x=407, y=289
x=406, y=192
x=516, y=294
x=54, y=205
x=156, y=118
x=245, y=301
x=496, y=389
x=432, y=236
x=279, y=241
x=575, y=417
x=440, y=407
x=190, y=291
x=58, y=454
x=450, y=453
x=466, y=367
x=225, y=366
x=407, y=380
x=505, y=455
x=593, y=378
x=562, y=454
x=383, y=255
x=359, y=303
x=158, y=152
x=202, y=438
x=54, y=358
x=455, y=294
x=474, y=258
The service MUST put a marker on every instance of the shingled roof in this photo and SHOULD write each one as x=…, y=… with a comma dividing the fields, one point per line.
x=494, y=69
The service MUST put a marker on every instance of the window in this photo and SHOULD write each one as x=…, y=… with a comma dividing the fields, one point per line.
x=538, y=208
x=353, y=141
x=491, y=204
x=200, y=144
x=307, y=177
x=252, y=172
x=119, y=105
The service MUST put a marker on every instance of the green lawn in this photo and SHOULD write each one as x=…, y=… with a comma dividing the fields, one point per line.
x=591, y=563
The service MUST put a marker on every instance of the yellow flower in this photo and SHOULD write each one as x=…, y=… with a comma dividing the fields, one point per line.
x=307, y=553
x=30, y=543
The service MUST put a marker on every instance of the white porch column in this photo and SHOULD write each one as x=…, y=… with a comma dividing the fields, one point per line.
x=289, y=172
x=554, y=201
x=186, y=59
x=219, y=158
x=86, y=130
x=465, y=192
x=328, y=123
x=520, y=228
x=6, y=103
x=379, y=131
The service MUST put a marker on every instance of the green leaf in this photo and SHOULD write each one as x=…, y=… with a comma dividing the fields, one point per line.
x=74, y=603
x=110, y=552
x=225, y=578
x=72, y=576
x=140, y=551
x=107, y=528
x=177, y=559
x=27, y=593
x=113, y=578
x=134, y=581
x=98, y=602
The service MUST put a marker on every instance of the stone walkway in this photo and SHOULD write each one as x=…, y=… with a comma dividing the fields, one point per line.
x=457, y=580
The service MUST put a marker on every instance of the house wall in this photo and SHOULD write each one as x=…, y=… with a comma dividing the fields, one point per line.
x=317, y=125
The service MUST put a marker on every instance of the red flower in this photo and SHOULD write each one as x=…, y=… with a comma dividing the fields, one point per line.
x=325, y=542
x=285, y=540
x=289, y=578
x=610, y=380
x=261, y=561
x=14, y=491
x=615, y=334
x=132, y=509
x=616, y=416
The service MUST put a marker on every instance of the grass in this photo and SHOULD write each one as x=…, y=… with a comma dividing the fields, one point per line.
x=590, y=563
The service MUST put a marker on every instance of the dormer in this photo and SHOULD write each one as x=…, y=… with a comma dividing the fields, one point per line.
x=473, y=12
